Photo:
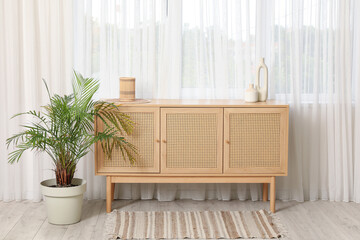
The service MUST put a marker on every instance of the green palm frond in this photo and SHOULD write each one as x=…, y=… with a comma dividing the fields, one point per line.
x=64, y=129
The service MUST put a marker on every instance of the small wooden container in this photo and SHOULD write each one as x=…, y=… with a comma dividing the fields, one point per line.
x=127, y=89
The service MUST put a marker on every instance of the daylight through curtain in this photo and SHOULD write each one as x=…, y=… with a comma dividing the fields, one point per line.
x=210, y=49
x=195, y=49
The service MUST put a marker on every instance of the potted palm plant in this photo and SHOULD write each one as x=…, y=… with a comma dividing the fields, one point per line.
x=64, y=130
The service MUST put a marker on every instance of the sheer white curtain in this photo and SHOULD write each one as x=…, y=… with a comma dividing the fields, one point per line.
x=35, y=43
x=210, y=49
x=194, y=49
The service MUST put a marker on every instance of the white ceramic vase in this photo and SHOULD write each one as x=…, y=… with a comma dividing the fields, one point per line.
x=63, y=205
x=263, y=90
x=251, y=94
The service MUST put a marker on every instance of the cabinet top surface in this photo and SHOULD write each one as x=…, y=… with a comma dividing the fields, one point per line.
x=199, y=103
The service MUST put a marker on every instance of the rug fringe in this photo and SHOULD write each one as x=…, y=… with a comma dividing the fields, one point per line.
x=110, y=225
x=284, y=234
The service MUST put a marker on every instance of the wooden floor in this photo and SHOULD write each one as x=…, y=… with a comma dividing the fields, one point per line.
x=309, y=220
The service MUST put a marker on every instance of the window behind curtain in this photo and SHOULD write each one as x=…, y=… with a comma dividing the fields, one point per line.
x=221, y=44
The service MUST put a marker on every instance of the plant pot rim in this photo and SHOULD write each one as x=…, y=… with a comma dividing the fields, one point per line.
x=63, y=191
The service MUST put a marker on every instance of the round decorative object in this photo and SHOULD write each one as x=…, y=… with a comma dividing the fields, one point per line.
x=127, y=88
x=124, y=101
x=251, y=94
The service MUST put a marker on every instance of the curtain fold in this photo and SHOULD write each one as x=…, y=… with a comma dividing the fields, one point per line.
x=198, y=50
x=356, y=115
x=310, y=47
x=35, y=42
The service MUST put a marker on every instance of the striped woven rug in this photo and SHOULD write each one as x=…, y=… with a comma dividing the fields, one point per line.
x=193, y=225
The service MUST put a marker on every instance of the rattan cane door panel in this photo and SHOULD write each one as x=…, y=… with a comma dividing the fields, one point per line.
x=191, y=140
x=145, y=137
x=255, y=140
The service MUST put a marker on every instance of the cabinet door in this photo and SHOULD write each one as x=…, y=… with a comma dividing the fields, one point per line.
x=191, y=140
x=145, y=137
x=256, y=140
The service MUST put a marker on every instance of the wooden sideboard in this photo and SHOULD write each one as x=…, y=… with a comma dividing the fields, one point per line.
x=201, y=141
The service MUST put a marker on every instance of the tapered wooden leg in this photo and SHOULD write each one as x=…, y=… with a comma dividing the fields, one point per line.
x=272, y=195
x=108, y=194
x=265, y=192
x=112, y=191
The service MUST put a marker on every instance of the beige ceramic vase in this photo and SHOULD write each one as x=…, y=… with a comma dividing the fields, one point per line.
x=262, y=90
x=251, y=94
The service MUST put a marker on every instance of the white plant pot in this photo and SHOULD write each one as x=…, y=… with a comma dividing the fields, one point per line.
x=63, y=205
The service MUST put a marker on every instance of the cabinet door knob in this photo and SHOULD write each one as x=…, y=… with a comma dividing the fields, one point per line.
x=157, y=140
x=164, y=141
x=227, y=141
